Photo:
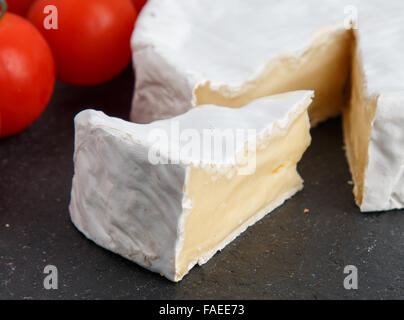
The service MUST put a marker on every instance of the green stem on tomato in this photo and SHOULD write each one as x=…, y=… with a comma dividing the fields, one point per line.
x=3, y=7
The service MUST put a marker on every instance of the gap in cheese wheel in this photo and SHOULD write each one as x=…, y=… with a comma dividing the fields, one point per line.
x=357, y=133
x=332, y=67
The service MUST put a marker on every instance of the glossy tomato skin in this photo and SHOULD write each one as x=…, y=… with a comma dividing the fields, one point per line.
x=19, y=7
x=92, y=42
x=27, y=74
x=139, y=4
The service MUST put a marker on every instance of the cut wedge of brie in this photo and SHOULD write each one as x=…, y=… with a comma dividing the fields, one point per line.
x=229, y=52
x=167, y=209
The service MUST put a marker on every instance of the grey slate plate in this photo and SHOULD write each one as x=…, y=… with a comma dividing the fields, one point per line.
x=289, y=254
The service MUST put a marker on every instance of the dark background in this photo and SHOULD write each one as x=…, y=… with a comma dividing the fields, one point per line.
x=288, y=254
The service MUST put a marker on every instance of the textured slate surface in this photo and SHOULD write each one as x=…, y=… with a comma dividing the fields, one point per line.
x=289, y=254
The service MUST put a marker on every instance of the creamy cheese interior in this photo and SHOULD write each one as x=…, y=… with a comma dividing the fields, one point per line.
x=357, y=125
x=324, y=68
x=222, y=208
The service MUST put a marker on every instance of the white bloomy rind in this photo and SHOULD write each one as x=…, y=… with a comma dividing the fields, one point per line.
x=127, y=205
x=384, y=177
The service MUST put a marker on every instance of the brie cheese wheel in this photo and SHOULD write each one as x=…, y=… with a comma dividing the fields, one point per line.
x=169, y=215
x=188, y=53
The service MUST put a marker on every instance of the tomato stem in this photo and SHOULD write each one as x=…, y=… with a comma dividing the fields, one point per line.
x=3, y=7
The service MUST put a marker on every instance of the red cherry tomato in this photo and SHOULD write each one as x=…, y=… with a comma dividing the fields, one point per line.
x=92, y=42
x=139, y=4
x=19, y=7
x=27, y=74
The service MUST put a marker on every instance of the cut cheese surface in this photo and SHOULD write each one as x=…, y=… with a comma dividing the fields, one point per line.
x=223, y=206
x=170, y=216
x=189, y=53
